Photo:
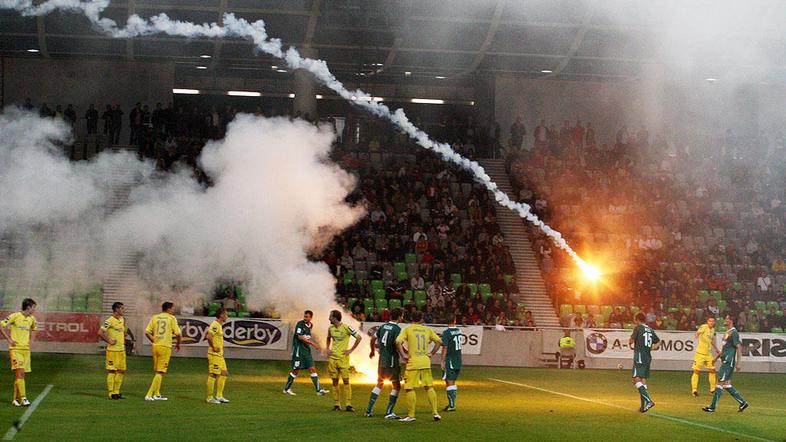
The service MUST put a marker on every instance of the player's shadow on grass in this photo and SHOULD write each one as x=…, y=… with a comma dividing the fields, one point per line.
x=91, y=394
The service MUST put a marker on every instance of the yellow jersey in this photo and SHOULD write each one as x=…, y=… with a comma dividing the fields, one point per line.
x=21, y=326
x=218, y=339
x=340, y=339
x=162, y=326
x=418, y=337
x=706, y=335
x=115, y=328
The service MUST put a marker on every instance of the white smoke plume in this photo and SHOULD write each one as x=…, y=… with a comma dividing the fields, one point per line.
x=276, y=199
x=256, y=32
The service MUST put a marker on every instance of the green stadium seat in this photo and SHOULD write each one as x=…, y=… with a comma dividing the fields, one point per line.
x=722, y=305
x=485, y=296
x=703, y=296
x=351, y=302
x=400, y=267
x=776, y=330
x=484, y=288
x=402, y=276
x=737, y=286
x=761, y=306
x=623, y=308
x=381, y=304
x=473, y=288
x=368, y=303
x=579, y=308
x=501, y=296
x=773, y=304
x=717, y=294
x=420, y=303
x=687, y=310
x=594, y=309
x=507, y=278
x=243, y=314
x=407, y=295
x=720, y=328
x=565, y=309
x=378, y=293
x=394, y=303
x=606, y=310
x=420, y=295
x=456, y=278
x=628, y=326
x=778, y=312
x=634, y=309
x=678, y=266
x=368, y=311
x=673, y=310
x=377, y=284
x=410, y=258
x=348, y=275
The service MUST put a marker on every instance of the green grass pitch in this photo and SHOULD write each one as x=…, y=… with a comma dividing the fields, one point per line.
x=537, y=404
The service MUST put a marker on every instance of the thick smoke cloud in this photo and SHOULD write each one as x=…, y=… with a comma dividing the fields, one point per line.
x=276, y=198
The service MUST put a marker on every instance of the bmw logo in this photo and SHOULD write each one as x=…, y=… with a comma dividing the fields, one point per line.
x=596, y=343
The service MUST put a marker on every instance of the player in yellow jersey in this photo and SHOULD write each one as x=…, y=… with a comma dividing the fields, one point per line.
x=703, y=358
x=113, y=332
x=418, y=337
x=159, y=332
x=216, y=365
x=338, y=358
x=22, y=325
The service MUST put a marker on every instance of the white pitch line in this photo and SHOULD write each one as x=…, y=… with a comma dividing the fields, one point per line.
x=9, y=435
x=660, y=416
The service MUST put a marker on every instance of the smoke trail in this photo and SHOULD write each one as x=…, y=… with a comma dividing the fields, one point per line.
x=238, y=27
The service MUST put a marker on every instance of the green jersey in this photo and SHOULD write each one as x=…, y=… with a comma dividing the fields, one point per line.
x=299, y=348
x=451, y=339
x=643, y=339
x=386, y=339
x=731, y=339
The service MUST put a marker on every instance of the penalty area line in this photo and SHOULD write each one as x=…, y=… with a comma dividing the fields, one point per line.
x=655, y=415
x=9, y=435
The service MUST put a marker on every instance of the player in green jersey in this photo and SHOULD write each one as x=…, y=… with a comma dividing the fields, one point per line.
x=301, y=354
x=388, y=368
x=642, y=341
x=451, y=361
x=731, y=353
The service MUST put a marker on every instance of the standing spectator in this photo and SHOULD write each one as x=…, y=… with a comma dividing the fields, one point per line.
x=91, y=116
x=517, y=132
x=135, y=123
x=541, y=136
x=28, y=106
x=158, y=119
x=70, y=116
x=117, y=124
x=107, y=117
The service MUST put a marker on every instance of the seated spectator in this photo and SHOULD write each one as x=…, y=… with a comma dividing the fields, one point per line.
x=590, y=322
x=417, y=282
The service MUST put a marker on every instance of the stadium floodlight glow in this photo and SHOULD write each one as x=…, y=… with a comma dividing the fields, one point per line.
x=546, y=71
x=590, y=271
x=201, y=67
x=244, y=94
x=407, y=73
x=291, y=95
x=427, y=101
x=319, y=97
x=205, y=56
x=367, y=98
x=185, y=91
x=274, y=67
x=712, y=80
x=439, y=77
x=281, y=70
x=33, y=51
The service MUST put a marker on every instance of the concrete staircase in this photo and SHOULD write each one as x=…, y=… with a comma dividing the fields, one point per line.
x=121, y=263
x=533, y=289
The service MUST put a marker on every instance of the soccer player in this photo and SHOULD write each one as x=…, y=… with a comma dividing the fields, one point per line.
x=21, y=324
x=113, y=332
x=159, y=332
x=338, y=359
x=301, y=355
x=731, y=354
x=388, y=365
x=703, y=358
x=642, y=341
x=451, y=361
x=418, y=338
x=216, y=365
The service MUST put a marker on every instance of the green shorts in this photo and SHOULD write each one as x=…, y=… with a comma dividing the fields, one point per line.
x=724, y=372
x=641, y=370
x=302, y=363
x=389, y=373
x=451, y=374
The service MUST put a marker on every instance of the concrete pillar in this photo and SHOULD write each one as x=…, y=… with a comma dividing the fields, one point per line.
x=305, y=88
x=484, y=99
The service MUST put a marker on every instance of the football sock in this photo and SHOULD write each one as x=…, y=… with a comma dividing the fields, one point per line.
x=735, y=394
x=110, y=383
x=432, y=400
x=155, y=386
x=392, y=402
x=716, y=396
x=211, y=385
x=16, y=390
x=411, y=401
x=373, y=399
x=694, y=381
x=118, y=382
x=158, y=385
x=643, y=392
x=20, y=388
x=713, y=380
x=220, y=382
x=347, y=394
x=336, y=395
x=290, y=380
x=451, y=391
x=315, y=381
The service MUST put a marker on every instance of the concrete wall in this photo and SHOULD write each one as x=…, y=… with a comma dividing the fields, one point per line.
x=84, y=82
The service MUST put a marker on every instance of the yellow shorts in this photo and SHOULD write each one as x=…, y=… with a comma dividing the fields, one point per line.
x=418, y=378
x=703, y=361
x=20, y=359
x=338, y=368
x=161, y=357
x=216, y=364
x=116, y=360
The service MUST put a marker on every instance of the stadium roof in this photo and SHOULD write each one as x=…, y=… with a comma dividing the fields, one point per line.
x=574, y=39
